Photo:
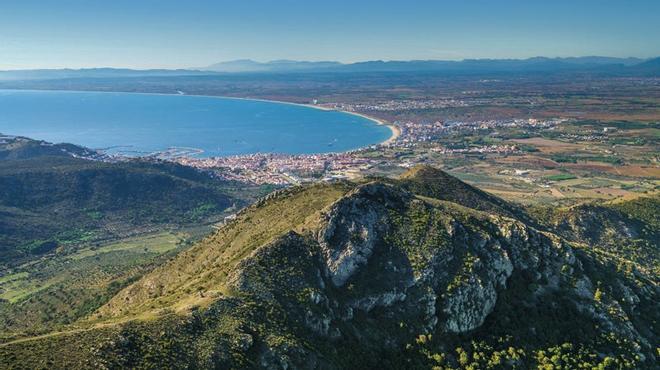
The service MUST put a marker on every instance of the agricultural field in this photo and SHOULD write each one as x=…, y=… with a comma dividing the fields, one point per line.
x=58, y=289
x=572, y=163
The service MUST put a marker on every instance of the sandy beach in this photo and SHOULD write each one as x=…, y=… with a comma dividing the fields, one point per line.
x=396, y=131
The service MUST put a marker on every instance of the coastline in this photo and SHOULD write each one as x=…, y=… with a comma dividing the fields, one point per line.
x=395, y=130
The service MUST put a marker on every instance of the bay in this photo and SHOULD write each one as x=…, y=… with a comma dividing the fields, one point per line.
x=141, y=124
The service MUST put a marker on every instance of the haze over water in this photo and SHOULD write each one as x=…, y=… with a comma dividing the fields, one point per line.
x=138, y=124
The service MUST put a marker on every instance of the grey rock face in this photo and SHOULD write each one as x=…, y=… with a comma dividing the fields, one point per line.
x=517, y=247
x=469, y=304
x=353, y=227
x=366, y=304
x=584, y=288
x=361, y=275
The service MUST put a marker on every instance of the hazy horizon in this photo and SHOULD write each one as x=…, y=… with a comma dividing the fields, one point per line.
x=170, y=34
x=192, y=68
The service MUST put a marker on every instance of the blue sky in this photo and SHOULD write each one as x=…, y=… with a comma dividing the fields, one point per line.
x=193, y=33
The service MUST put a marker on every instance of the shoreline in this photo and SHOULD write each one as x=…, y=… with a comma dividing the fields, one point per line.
x=395, y=130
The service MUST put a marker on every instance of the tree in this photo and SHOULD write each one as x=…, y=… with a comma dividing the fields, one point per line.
x=598, y=295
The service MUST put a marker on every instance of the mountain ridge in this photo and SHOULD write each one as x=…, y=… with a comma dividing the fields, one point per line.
x=53, y=195
x=357, y=275
x=245, y=66
x=466, y=65
x=100, y=72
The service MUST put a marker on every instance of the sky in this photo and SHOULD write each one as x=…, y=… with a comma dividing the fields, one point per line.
x=196, y=33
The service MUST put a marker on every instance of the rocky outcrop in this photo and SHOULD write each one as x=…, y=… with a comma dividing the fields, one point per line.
x=352, y=228
x=387, y=299
x=595, y=224
x=385, y=271
x=468, y=304
x=353, y=273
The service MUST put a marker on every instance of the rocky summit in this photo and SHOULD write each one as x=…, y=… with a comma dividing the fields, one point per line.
x=419, y=272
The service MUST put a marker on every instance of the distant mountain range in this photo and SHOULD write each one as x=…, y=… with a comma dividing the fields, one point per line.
x=49, y=74
x=538, y=63
x=596, y=64
x=248, y=65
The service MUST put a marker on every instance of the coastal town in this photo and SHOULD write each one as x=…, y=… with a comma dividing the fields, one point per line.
x=281, y=169
x=285, y=169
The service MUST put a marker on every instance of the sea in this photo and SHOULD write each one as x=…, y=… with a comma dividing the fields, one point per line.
x=136, y=124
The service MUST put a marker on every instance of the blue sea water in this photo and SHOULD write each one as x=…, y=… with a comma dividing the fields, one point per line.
x=139, y=124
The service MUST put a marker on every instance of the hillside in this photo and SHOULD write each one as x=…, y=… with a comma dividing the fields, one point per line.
x=13, y=147
x=58, y=195
x=376, y=275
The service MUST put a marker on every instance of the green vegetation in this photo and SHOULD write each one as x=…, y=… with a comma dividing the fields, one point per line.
x=642, y=209
x=560, y=177
x=564, y=159
x=253, y=293
x=51, y=201
x=157, y=243
x=259, y=292
x=44, y=295
x=181, y=281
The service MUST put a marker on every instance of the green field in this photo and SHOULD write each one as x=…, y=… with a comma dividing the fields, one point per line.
x=560, y=177
x=155, y=243
x=60, y=288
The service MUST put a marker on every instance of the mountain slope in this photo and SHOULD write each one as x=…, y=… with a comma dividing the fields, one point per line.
x=650, y=67
x=13, y=148
x=371, y=275
x=53, y=195
x=628, y=228
x=433, y=183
